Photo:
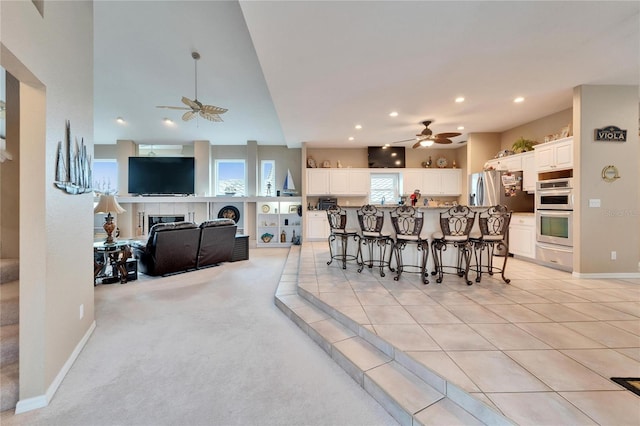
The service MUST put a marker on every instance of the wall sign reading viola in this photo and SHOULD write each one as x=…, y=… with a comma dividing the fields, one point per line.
x=610, y=134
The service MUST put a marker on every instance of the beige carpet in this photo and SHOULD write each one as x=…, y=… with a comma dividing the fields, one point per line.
x=203, y=348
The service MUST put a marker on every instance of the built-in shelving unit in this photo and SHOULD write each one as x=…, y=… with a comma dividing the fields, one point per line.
x=281, y=219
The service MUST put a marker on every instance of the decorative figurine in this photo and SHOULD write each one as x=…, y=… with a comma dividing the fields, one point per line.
x=429, y=162
x=414, y=197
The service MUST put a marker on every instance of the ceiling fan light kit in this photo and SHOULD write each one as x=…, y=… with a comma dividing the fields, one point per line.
x=195, y=107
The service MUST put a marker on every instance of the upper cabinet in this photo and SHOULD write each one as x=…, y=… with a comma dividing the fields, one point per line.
x=318, y=181
x=432, y=181
x=350, y=182
x=512, y=163
x=554, y=155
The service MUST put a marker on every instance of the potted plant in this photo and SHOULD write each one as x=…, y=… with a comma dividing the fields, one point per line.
x=523, y=145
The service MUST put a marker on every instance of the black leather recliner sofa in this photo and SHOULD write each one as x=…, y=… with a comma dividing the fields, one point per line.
x=183, y=246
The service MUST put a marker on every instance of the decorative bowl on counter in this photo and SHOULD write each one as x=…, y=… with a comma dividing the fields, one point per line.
x=266, y=237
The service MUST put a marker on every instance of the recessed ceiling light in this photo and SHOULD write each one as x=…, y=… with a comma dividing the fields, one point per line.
x=358, y=126
x=167, y=120
x=460, y=127
x=351, y=138
x=460, y=99
x=120, y=120
x=518, y=99
x=393, y=114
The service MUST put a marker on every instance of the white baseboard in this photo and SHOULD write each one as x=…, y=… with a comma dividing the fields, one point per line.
x=612, y=276
x=40, y=401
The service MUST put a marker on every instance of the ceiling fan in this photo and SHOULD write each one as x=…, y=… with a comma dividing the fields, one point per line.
x=195, y=107
x=427, y=138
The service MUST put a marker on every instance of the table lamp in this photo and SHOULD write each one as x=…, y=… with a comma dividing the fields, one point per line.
x=107, y=204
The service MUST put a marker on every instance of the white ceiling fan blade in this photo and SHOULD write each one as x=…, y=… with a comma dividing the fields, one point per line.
x=172, y=107
x=189, y=115
x=210, y=109
x=192, y=104
x=210, y=117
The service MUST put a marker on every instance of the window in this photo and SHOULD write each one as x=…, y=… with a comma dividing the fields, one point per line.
x=384, y=188
x=267, y=177
x=231, y=177
x=105, y=176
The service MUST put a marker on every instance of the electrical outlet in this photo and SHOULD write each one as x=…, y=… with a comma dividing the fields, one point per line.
x=614, y=255
x=594, y=202
x=82, y=311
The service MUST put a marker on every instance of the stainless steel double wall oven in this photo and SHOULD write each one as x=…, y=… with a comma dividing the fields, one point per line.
x=554, y=217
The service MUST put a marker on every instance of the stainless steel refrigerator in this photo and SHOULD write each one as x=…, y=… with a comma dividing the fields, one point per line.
x=493, y=187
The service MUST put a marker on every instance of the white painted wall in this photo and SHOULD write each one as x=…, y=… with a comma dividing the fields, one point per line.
x=52, y=57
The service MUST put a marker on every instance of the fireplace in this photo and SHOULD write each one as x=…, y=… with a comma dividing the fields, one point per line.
x=163, y=218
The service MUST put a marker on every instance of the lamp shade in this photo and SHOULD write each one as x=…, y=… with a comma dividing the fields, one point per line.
x=108, y=204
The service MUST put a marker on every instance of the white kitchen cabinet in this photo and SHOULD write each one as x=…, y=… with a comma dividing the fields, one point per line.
x=412, y=179
x=529, y=174
x=318, y=182
x=349, y=182
x=522, y=235
x=359, y=181
x=450, y=182
x=317, y=225
x=279, y=219
x=554, y=155
x=432, y=181
x=512, y=163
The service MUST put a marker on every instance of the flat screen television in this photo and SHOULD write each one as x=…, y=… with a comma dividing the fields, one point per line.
x=161, y=175
x=386, y=156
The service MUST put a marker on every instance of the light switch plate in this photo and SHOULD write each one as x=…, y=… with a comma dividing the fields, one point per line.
x=594, y=202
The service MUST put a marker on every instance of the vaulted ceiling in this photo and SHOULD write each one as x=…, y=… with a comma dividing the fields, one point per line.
x=310, y=71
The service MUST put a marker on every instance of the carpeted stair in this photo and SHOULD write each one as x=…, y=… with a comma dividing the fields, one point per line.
x=9, y=332
x=411, y=393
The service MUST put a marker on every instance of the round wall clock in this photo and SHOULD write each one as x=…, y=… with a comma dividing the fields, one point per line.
x=441, y=162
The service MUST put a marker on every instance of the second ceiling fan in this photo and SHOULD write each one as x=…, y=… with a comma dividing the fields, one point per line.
x=427, y=138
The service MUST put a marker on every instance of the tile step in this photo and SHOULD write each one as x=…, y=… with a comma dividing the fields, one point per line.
x=457, y=396
x=408, y=398
x=382, y=370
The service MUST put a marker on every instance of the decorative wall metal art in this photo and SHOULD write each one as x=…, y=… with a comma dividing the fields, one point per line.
x=73, y=170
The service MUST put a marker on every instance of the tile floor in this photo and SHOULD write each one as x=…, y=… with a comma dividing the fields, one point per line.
x=540, y=349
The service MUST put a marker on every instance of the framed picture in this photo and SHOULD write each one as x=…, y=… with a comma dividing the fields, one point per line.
x=293, y=209
x=565, y=131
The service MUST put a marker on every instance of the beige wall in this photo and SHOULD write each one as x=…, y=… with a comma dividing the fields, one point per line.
x=52, y=57
x=615, y=226
x=480, y=148
x=536, y=130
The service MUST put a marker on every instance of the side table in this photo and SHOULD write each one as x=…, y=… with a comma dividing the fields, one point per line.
x=113, y=255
